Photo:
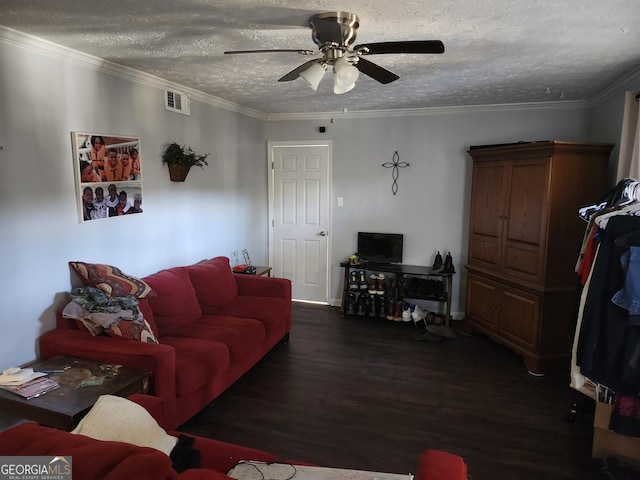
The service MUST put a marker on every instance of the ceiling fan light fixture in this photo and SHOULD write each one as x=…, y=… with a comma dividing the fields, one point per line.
x=344, y=76
x=313, y=75
x=338, y=90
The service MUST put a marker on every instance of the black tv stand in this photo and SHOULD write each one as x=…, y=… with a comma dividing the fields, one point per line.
x=403, y=270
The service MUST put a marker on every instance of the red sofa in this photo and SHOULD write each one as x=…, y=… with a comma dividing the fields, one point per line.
x=102, y=460
x=212, y=327
x=108, y=460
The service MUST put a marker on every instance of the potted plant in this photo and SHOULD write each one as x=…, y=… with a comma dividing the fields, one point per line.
x=180, y=160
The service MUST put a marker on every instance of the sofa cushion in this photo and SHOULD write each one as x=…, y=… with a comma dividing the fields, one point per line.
x=213, y=281
x=91, y=458
x=174, y=304
x=110, y=280
x=147, y=314
x=268, y=310
x=198, y=362
x=241, y=335
x=129, y=330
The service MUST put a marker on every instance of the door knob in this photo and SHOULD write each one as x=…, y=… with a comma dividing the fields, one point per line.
x=323, y=233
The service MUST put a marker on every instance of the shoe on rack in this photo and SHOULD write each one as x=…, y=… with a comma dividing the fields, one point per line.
x=373, y=306
x=361, y=305
x=351, y=304
x=391, y=286
x=437, y=263
x=353, y=280
x=397, y=316
x=373, y=284
x=362, y=280
x=381, y=300
x=448, y=264
x=407, y=310
x=421, y=289
x=390, y=308
x=418, y=315
x=404, y=285
x=430, y=318
x=380, y=285
x=437, y=289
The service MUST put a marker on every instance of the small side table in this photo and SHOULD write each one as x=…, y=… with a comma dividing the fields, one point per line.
x=64, y=407
x=266, y=271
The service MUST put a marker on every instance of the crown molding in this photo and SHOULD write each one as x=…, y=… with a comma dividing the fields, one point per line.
x=630, y=82
x=50, y=49
x=409, y=112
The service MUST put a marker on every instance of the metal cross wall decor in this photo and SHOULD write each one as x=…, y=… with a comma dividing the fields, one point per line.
x=395, y=164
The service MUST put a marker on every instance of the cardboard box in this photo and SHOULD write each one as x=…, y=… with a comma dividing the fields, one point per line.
x=607, y=442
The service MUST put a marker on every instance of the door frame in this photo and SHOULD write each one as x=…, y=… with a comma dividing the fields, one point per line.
x=271, y=176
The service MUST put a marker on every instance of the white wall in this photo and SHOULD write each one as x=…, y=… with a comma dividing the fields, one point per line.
x=431, y=206
x=217, y=210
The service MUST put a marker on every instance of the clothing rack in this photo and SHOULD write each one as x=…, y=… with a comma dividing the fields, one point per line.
x=606, y=350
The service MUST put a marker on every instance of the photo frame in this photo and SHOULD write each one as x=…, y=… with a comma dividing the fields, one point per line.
x=108, y=175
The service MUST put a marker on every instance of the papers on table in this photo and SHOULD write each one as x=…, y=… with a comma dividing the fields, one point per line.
x=18, y=376
x=26, y=383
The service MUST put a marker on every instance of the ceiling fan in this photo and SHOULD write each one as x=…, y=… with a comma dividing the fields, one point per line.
x=334, y=33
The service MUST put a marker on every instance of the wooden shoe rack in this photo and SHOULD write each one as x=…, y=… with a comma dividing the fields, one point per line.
x=401, y=270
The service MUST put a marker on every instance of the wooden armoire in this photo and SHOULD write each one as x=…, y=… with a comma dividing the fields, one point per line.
x=524, y=240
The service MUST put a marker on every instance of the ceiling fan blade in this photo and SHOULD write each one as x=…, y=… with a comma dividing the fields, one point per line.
x=376, y=72
x=295, y=73
x=301, y=52
x=415, y=46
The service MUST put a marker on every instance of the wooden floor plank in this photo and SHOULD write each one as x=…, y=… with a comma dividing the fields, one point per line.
x=359, y=393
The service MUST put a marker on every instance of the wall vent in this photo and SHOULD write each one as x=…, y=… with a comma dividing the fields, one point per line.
x=176, y=101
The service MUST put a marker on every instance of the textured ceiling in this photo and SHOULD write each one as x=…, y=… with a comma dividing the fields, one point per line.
x=496, y=51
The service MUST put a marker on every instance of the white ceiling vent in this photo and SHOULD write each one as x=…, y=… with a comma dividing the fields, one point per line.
x=176, y=101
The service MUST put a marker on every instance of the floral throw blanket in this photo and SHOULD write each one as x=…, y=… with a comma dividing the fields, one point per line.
x=115, y=316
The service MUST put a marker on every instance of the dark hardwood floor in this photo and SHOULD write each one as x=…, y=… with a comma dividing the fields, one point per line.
x=359, y=393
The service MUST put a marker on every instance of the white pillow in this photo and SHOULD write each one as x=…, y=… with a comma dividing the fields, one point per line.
x=118, y=419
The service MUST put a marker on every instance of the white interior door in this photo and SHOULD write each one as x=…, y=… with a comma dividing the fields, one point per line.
x=299, y=216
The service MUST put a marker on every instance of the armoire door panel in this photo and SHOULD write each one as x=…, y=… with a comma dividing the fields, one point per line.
x=484, y=250
x=525, y=227
x=487, y=199
x=526, y=203
x=522, y=262
x=486, y=216
x=519, y=317
x=481, y=300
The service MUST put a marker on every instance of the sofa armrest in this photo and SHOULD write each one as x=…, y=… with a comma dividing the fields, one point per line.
x=254, y=286
x=151, y=404
x=439, y=465
x=158, y=359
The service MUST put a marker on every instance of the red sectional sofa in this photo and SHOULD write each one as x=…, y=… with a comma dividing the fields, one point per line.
x=212, y=326
x=109, y=460
x=102, y=460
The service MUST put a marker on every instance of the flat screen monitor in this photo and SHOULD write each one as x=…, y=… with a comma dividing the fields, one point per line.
x=380, y=247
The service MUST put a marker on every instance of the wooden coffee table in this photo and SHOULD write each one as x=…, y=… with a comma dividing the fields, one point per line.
x=81, y=382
